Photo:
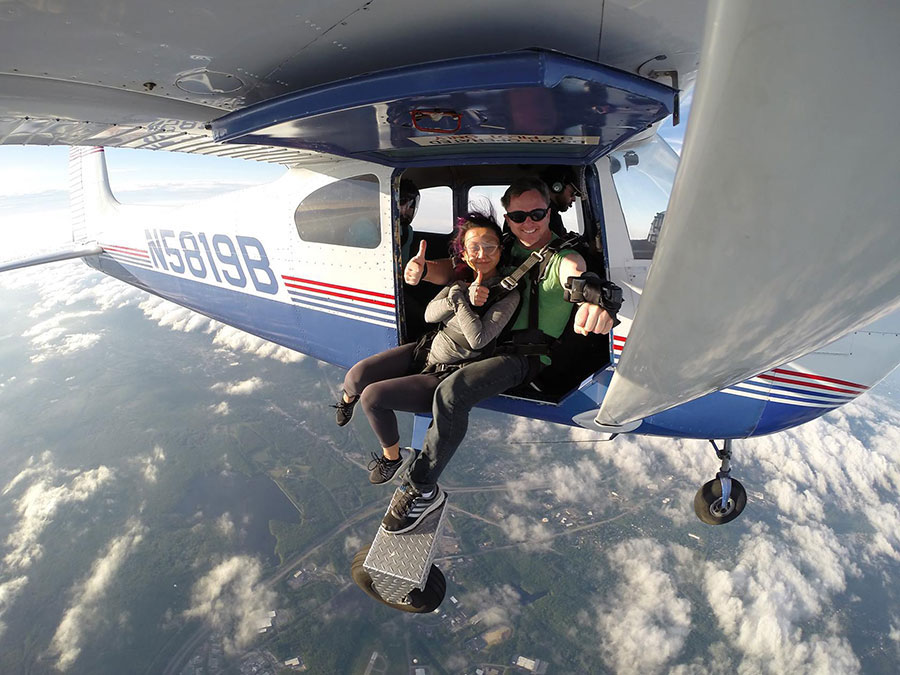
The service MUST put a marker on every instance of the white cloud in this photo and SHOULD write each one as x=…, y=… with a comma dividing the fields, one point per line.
x=149, y=464
x=64, y=284
x=497, y=605
x=225, y=525
x=533, y=535
x=231, y=597
x=352, y=544
x=170, y=315
x=220, y=409
x=85, y=612
x=775, y=601
x=646, y=623
x=52, y=338
x=73, y=342
x=776, y=587
x=40, y=502
x=41, y=466
x=178, y=318
x=242, y=388
x=9, y=591
x=239, y=341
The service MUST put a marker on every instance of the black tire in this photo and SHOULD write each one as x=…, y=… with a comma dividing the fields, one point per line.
x=708, y=502
x=420, y=602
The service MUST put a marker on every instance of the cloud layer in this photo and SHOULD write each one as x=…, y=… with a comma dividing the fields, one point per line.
x=50, y=490
x=56, y=330
x=772, y=596
x=86, y=611
x=645, y=608
x=232, y=599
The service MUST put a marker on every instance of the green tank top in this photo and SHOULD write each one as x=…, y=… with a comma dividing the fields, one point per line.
x=553, y=311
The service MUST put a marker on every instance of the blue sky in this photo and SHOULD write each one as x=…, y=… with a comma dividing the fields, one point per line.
x=34, y=193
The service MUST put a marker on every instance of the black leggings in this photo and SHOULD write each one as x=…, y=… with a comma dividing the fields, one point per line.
x=384, y=385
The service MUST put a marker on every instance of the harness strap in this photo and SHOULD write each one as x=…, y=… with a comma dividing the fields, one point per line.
x=533, y=342
x=542, y=257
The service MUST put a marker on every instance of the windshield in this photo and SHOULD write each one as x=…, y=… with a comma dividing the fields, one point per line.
x=643, y=174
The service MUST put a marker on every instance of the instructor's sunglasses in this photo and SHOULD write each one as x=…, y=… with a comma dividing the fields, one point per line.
x=520, y=216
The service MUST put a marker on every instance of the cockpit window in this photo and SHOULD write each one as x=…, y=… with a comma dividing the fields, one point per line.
x=643, y=174
x=344, y=213
x=435, y=213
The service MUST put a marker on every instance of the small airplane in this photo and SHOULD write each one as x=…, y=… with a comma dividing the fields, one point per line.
x=775, y=249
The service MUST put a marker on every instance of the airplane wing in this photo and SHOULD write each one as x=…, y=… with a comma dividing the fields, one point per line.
x=782, y=231
x=154, y=75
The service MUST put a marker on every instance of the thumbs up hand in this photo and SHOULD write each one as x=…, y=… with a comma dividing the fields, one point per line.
x=415, y=268
x=478, y=294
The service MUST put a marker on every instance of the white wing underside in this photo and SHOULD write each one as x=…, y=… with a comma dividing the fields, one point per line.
x=782, y=232
x=129, y=73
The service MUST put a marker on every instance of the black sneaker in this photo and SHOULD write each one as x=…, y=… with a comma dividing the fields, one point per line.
x=382, y=469
x=408, y=508
x=344, y=410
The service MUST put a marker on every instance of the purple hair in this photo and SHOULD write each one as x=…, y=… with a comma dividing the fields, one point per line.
x=469, y=221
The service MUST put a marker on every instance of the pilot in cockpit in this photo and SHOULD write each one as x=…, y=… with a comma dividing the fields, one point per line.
x=563, y=186
x=407, y=205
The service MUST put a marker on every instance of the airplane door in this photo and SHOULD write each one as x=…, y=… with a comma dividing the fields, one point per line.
x=341, y=278
x=635, y=181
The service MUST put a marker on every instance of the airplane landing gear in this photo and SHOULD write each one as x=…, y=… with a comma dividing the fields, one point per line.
x=722, y=499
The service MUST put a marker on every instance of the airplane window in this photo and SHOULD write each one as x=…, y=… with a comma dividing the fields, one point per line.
x=480, y=195
x=343, y=213
x=435, y=213
x=643, y=175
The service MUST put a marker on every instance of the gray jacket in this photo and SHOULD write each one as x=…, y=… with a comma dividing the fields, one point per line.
x=451, y=307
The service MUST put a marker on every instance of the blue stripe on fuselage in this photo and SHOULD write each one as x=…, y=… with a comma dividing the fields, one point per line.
x=330, y=338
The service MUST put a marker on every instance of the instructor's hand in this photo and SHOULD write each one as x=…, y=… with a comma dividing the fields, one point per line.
x=478, y=294
x=415, y=268
x=592, y=319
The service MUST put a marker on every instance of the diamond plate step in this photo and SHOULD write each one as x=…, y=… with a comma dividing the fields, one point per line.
x=398, y=563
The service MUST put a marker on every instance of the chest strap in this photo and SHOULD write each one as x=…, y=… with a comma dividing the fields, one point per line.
x=541, y=257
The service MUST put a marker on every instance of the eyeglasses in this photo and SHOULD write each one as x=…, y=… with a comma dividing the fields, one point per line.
x=408, y=200
x=576, y=191
x=487, y=249
x=520, y=216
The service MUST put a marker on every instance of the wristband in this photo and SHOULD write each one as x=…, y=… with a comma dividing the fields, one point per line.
x=591, y=288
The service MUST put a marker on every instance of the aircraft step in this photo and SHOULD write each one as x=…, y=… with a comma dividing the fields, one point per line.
x=397, y=569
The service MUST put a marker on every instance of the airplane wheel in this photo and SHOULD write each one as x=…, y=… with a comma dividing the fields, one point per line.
x=420, y=602
x=708, y=502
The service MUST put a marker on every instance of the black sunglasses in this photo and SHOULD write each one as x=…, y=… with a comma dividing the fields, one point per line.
x=520, y=216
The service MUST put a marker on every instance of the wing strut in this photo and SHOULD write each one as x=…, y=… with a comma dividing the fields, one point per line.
x=782, y=231
x=56, y=256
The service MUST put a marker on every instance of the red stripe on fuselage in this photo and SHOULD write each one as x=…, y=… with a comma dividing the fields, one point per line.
x=331, y=294
x=793, y=373
x=335, y=286
x=816, y=385
x=125, y=249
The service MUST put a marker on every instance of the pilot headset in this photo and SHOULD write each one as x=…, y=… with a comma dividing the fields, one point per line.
x=557, y=179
